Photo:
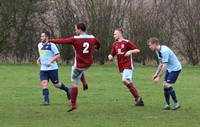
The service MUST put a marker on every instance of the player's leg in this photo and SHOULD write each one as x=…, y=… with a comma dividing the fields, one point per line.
x=127, y=80
x=166, y=93
x=74, y=94
x=57, y=84
x=75, y=77
x=84, y=82
x=171, y=79
x=44, y=85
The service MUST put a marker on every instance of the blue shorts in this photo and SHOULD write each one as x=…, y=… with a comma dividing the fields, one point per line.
x=171, y=77
x=51, y=74
x=76, y=74
x=127, y=74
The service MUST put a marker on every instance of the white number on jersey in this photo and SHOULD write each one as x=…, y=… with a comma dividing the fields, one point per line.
x=119, y=52
x=86, y=47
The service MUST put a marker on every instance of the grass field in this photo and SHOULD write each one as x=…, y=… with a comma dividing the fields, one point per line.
x=107, y=103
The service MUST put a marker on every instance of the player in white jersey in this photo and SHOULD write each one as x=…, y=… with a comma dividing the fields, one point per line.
x=170, y=63
x=48, y=67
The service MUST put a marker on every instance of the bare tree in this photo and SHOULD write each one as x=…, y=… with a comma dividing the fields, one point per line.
x=175, y=22
x=188, y=29
x=102, y=18
x=17, y=29
x=66, y=17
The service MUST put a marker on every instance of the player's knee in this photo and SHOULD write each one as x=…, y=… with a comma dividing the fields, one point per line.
x=75, y=82
x=125, y=81
x=44, y=84
x=166, y=85
x=74, y=85
x=58, y=85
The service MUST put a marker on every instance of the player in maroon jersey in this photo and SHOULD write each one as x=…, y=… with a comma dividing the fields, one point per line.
x=84, y=45
x=124, y=49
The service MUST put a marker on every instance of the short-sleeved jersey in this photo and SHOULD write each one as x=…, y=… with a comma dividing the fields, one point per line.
x=47, y=51
x=84, y=46
x=167, y=56
x=119, y=49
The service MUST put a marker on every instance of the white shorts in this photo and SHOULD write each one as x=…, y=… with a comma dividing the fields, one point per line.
x=127, y=74
x=76, y=74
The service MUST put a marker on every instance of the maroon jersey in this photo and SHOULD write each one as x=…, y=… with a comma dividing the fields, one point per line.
x=84, y=46
x=120, y=49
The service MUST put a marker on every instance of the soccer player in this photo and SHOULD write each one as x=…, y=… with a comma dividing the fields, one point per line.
x=84, y=45
x=124, y=49
x=170, y=63
x=48, y=67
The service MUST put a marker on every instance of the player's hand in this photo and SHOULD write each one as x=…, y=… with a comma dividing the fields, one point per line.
x=38, y=62
x=155, y=76
x=110, y=57
x=49, y=63
x=128, y=53
x=156, y=79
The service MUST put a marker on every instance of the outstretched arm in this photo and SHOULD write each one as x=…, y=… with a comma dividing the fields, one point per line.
x=69, y=40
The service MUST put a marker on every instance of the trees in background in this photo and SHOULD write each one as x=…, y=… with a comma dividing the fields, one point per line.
x=187, y=24
x=101, y=17
x=175, y=22
x=17, y=30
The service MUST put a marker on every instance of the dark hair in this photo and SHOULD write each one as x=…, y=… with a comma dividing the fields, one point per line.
x=47, y=34
x=153, y=40
x=120, y=30
x=81, y=26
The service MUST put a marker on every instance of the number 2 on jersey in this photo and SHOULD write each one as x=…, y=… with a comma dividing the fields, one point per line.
x=86, y=47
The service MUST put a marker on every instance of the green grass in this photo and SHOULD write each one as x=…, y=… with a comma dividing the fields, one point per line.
x=107, y=103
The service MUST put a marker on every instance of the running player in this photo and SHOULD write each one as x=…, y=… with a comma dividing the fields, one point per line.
x=124, y=49
x=48, y=67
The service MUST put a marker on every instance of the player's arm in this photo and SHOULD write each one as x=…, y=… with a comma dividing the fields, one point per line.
x=133, y=49
x=38, y=61
x=110, y=57
x=56, y=54
x=112, y=54
x=97, y=44
x=55, y=58
x=160, y=70
x=69, y=40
